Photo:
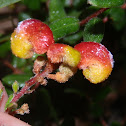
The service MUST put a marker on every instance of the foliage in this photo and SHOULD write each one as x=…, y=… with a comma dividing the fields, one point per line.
x=77, y=100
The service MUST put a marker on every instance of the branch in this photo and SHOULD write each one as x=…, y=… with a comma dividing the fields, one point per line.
x=92, y=16
x=37, y=79
x=123, y=6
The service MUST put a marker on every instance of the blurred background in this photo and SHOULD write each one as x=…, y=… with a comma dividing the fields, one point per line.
x=76, y=102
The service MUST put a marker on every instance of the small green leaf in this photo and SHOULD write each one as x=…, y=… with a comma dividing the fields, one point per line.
x=94, y=30
x=4, y=3
x=106, y=3
x=1, y=93
x=64, y=26
x=56, y=10
x=9, y=101
x=15, y=87
x=4, y=48
x=21, y=78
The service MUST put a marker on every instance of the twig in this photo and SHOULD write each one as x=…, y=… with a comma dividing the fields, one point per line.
x=123, y=6
x=92, y=16
x=48, y=69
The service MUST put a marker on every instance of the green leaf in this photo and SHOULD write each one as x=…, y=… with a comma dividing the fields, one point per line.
x=4, y=38
x=94, y=30
x=106, y=3
x=9, y=101
x=74, y=13
x=28, y=69
x=115, y=14
x=15, y=87
x=18, y=62
x=43, y=0
x=33, y=4
x=4, y=3
x=73, y=39
x=79, y=3
x=36, y=55
x=56, y=10
x=20, y=78
x=1, y=93
x=9, y=91
x=22, y=16
x=4, y=48
x=64, y=26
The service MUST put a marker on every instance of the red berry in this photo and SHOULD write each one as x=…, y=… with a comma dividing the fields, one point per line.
x=96, y=61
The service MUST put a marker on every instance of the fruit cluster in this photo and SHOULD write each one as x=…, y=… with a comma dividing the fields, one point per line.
x=33, y=36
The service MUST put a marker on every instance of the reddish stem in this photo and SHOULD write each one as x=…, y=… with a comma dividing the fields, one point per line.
x=48, y=69
x=123, y=6
x=92, y=16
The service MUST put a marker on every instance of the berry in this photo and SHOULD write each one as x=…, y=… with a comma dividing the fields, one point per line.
x=63, y=53
x=96, y=61
x=31, y=36
x=69, y=59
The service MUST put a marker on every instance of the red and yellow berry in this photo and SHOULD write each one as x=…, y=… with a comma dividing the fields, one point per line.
x=96, y=61
x=31, y=36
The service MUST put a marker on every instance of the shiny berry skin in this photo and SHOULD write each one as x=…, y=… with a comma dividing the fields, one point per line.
x=31, y=36
x=96, y=61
